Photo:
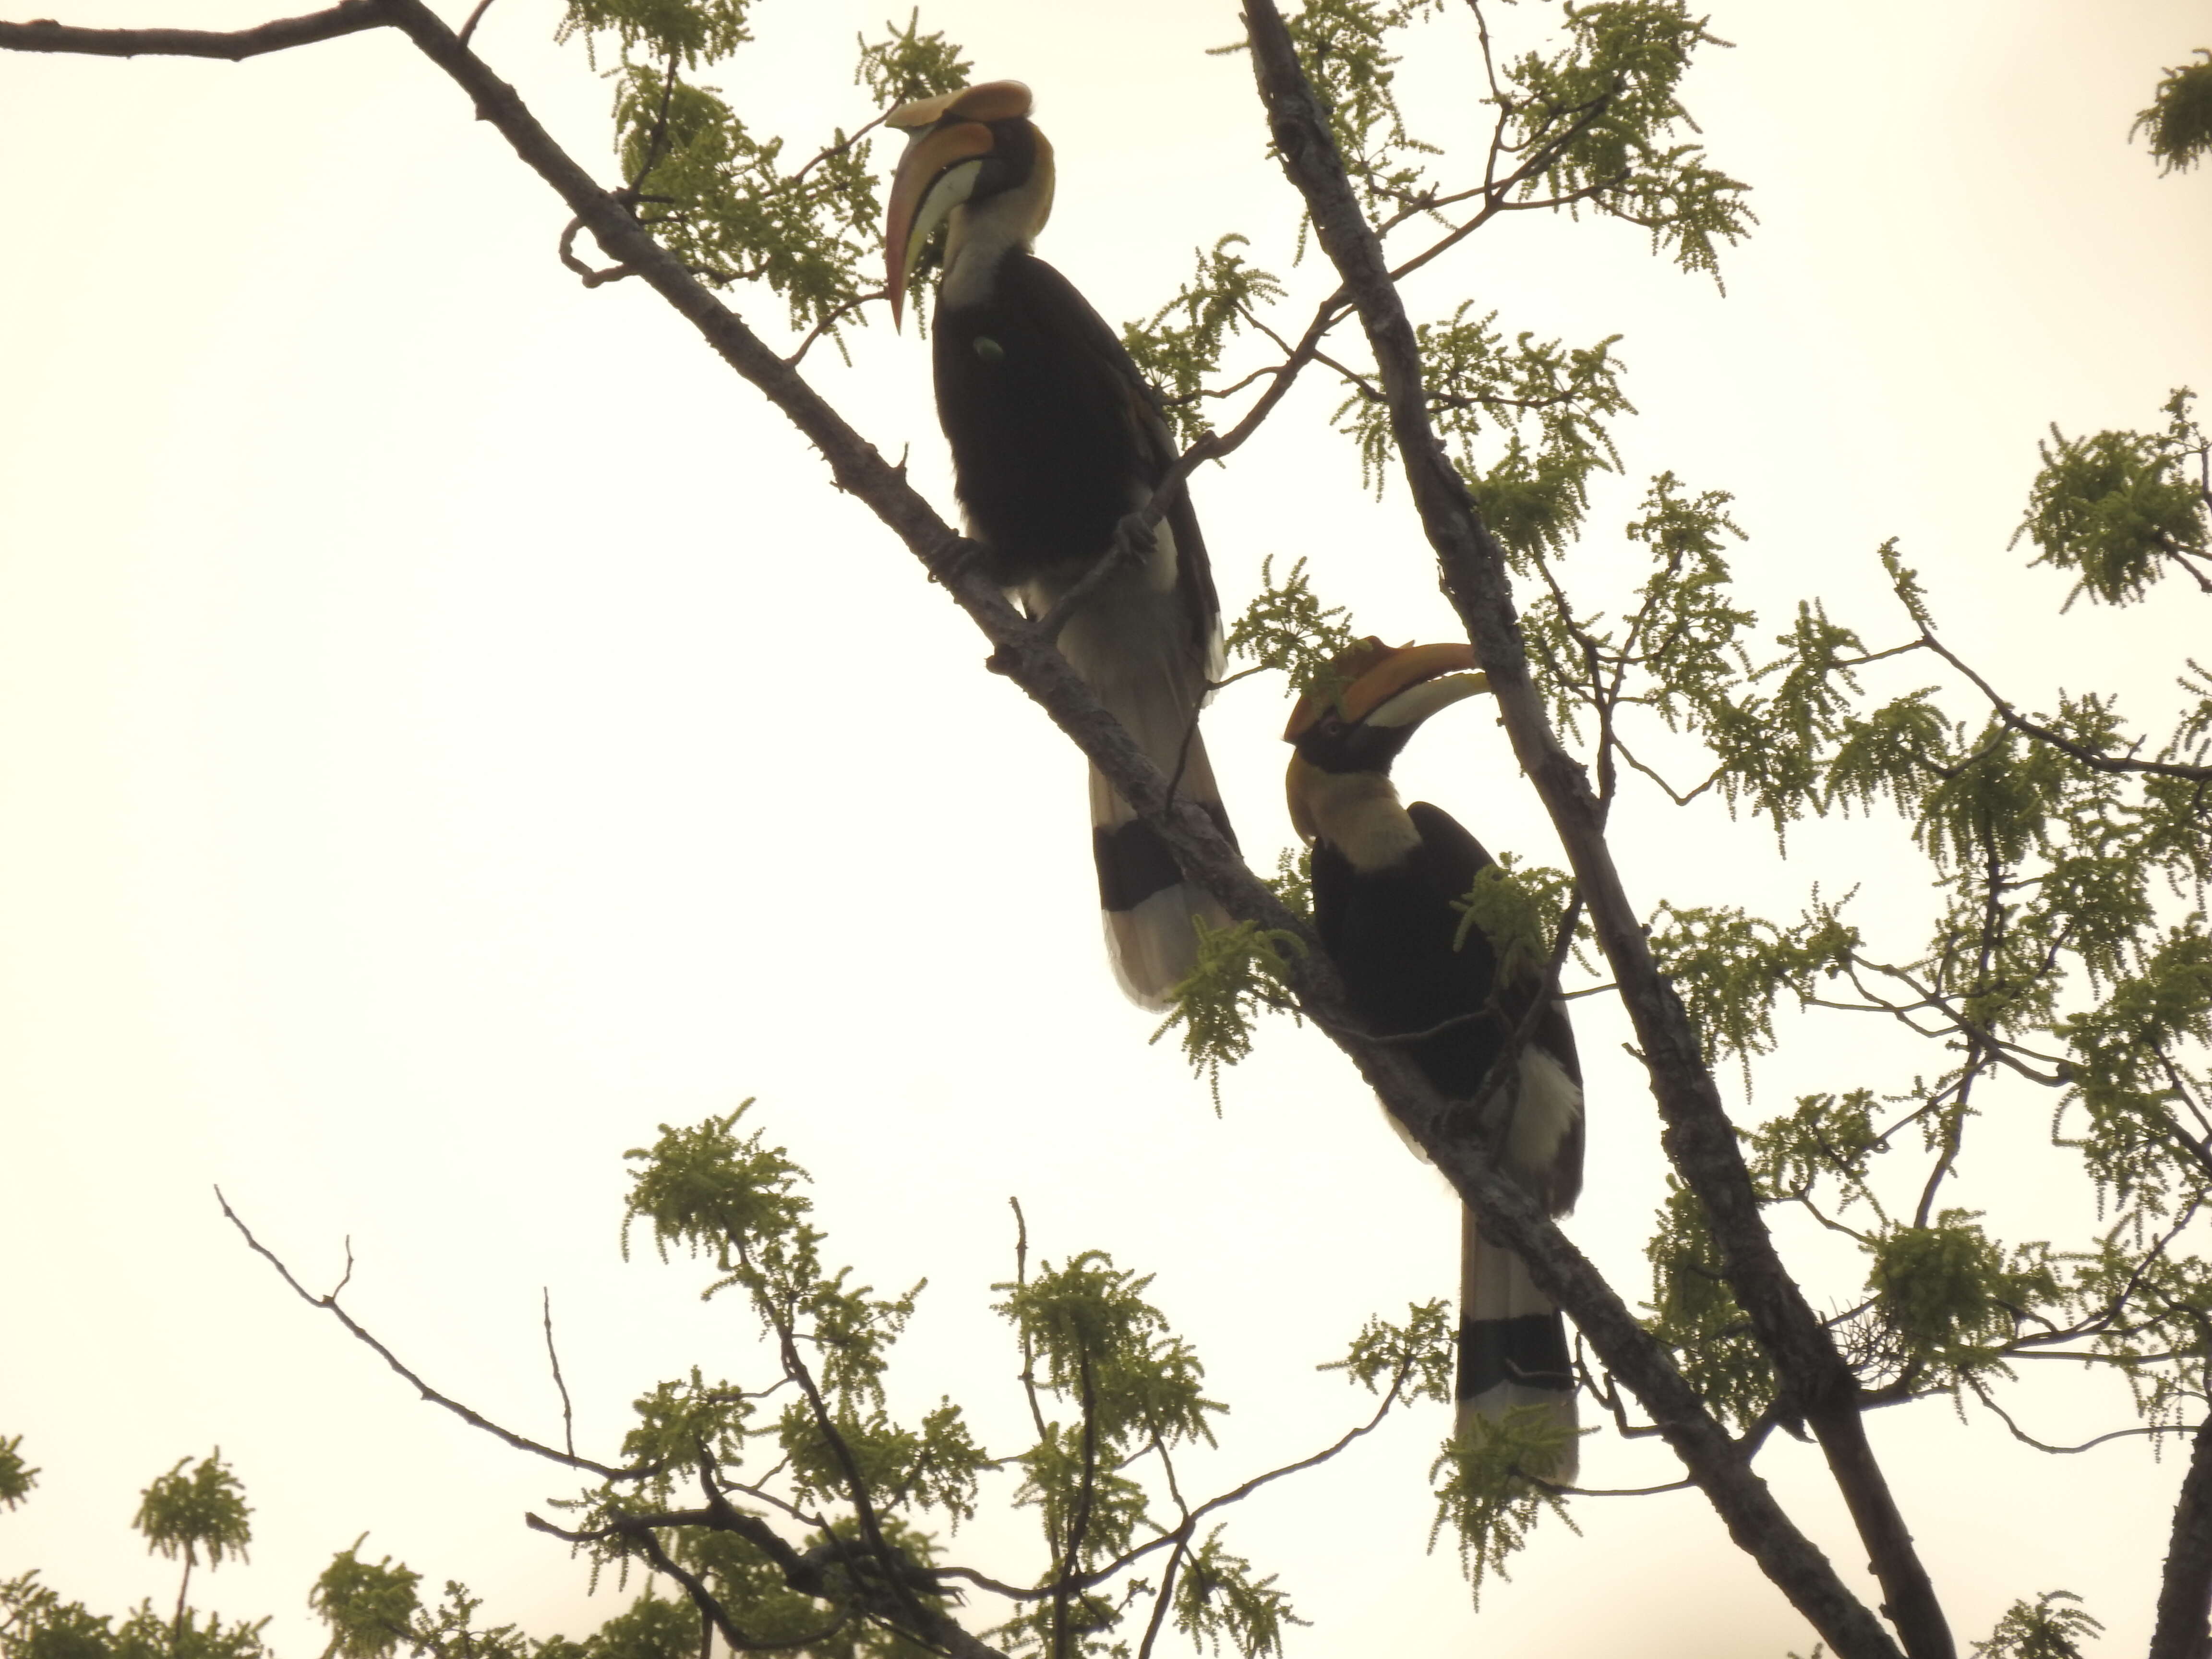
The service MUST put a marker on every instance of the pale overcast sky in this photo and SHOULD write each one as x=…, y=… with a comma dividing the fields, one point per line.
x=448, y=725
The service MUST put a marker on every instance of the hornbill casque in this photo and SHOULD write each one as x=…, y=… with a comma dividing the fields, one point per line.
x=1384, y=877
x=1056, y=439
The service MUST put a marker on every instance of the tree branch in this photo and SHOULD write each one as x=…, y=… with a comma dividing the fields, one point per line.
x=1699, y=1139
x=2185, y=1592
x=45, y=34
x=330, y=1304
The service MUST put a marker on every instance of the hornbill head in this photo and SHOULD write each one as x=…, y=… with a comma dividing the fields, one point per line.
x=1380, y=695
x=964, y=150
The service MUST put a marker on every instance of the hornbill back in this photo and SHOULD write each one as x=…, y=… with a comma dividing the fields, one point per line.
x=1385, y=878
x=1055, y=438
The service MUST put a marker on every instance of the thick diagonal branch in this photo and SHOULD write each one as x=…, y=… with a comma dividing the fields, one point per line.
x=2185, y=1592
x=1698, y=1137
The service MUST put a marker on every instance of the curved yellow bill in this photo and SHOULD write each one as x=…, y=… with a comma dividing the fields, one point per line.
x=1372, y=674
x=907, y=229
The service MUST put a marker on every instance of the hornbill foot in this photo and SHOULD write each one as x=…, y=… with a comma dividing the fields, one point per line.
x=960, y=556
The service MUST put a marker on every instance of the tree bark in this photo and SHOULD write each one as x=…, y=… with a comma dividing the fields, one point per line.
x=2185, y=1592
x=44, y=34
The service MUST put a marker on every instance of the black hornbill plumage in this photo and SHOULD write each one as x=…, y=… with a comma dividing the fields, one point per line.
x=1384, y=879
x=1055, y=440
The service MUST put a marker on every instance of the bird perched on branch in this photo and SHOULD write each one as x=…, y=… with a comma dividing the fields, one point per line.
x=1384, y=879
x=1056, y=440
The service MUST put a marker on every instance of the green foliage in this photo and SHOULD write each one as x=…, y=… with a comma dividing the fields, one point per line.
x=1239, y=970
x=1731, y=969
x=651, y=1627
x=369, y=1608
x=1485, y=1494
x=1693, y=1312
x=1549, y=402
x=449, y=1631
x=908, y=64
x=1345, y=47
x=1829, y=1137
x=16, y=1477
x=2130, y=1072
x=1417, y=1358
x=200, y=1516
x=37, y=1624
x=1218, y=302
x=2120, y=508
x=722, y=200
x=682, y=31
x=1287, y=628
x=2041, y=1630
x=1519, y=907
x=1951, y=1297
x=1597, y=119
x=1097, y=1344
x=1218, y=1601
x=2179, y=118
x=721, y=197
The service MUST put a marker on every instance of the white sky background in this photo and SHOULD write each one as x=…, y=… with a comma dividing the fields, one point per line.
x=449, y=726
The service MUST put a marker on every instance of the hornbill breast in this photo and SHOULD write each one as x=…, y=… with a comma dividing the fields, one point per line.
x=1050, y=439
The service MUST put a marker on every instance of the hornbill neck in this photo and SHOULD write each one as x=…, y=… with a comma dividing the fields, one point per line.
x=979, y=236
x=1358, y=814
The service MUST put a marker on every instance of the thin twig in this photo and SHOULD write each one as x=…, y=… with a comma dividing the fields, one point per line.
x=568, y=1409
x=329, y=1304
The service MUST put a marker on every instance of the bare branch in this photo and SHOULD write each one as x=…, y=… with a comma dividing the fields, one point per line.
x=568, y=1408
x=2096, y=759
x=348, y=17
x=328, y=1303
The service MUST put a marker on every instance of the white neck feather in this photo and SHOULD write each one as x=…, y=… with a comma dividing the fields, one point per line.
x=979, y=235
x=1358, y=814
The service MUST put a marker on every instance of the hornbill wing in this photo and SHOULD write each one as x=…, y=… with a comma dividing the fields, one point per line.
x=1107, y=364
x=1031, y=377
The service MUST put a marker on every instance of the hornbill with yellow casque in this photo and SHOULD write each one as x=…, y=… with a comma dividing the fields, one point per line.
x=1384, y=878
x=1055, y=440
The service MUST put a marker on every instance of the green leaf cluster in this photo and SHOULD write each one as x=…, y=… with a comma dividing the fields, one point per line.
x=1484, y=1493
x=1693, y=1311
x=725, y=199
x=2120, y=508
x=1177, y=357
x=1345, y=46
x=1287, y=628
x=201, y=1517
x=1951, y=1297
x=1239, y=970
x=370, y=1607
x=2179, y=118
x=1603, y=113
x=16, y=1476
x=1417, y=1358
x=2041, y=1629
x=1519, y=907
x=1732, y=968
x=35, y=1622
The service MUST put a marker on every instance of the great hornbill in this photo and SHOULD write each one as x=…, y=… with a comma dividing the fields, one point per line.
x=1384, y=878
x=1056, y=439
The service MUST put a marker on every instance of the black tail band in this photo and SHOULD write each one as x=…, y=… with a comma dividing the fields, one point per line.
x=1134, y=863
x=1529, y=1349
